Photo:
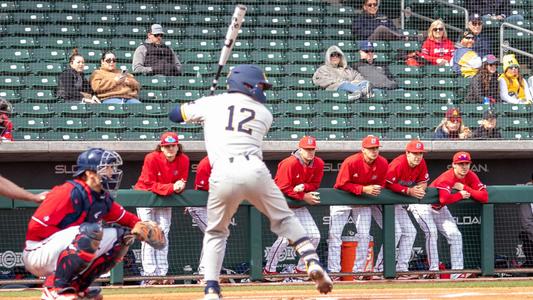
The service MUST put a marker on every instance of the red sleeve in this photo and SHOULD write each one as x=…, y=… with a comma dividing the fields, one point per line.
x=203, y=171
x=148, y=179
x=393, y=174
x=427, y=51
x=117, y=214
x=284, y=178
x=383, y=168
x=318, y=172
x=344, y=178
x=476, y=189
x=423, y=174
x=447, y=198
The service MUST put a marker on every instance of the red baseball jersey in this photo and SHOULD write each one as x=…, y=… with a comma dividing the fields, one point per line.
x=292, y=171
x=158, y=175
x=401, y=176
x=203, y=171
x=356, y=173
x=71, y=204
x=7, y=125
x=445, y=182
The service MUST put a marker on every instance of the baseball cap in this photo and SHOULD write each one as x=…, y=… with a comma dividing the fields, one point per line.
x=307, y=142
x=415, y=146
x=366, y=45
x=169, y=138
x=156, y=29
x=468, y=34
x=474, y=17
x=489, y=114
x=462, y=157
x=490, y=59
x=453, y=114
x=371, y=142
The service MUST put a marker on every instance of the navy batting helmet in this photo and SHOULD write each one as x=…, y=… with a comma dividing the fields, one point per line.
x=105, y=163
x=246, y=79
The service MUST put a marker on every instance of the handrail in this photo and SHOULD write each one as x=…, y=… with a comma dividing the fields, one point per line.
x=505, y=45
x=408, y=11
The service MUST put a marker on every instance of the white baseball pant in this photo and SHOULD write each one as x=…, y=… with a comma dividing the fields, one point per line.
x=276, y=250
x=431, y=220
x=199, y=217
x=339, y=215
x=404, y=237
x=155, y=262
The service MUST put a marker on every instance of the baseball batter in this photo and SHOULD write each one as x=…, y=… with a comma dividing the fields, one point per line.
x=234, y=126
x=199, y=213
x=361, y=173
x=453, y=185
x=298, y=177
x=407, y=175
x=66, y=242
x=164, y=172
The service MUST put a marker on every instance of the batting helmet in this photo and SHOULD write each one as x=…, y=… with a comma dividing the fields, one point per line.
x=246, y=79
x=105, y=163
x=5, y=106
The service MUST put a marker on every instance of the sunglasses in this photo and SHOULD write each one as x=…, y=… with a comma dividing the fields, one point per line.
x=477, y=23
x=158, y=35
x=335, y=55
x=110, y=60
x=438, y=29
x=514, y=68
x=372, y=5
x=468, y=38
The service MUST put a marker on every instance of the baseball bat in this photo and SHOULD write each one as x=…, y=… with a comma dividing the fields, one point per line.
x=229, y=41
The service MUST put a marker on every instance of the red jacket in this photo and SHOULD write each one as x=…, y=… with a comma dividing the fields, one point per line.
x=292, y=172
x=8, y=128
x=203, y=171
x=401, y=176
x=445, y=182
x=71, y=204
x=433, y=50
x=356, y=173
x=158, y=175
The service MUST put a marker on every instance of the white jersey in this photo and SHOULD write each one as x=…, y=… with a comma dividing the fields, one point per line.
x=234, y=124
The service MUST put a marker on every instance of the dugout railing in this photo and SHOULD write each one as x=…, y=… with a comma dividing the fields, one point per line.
x=498, y=195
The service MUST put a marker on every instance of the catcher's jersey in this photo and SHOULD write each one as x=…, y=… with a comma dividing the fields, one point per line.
x=234, y=124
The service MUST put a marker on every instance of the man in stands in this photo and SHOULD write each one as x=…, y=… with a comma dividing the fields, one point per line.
x=372, y=25
x=153, y=57
x=482, y=44
x=377, y=75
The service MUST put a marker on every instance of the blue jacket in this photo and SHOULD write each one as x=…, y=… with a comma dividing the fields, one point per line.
x=363, y=25
x=482, y=45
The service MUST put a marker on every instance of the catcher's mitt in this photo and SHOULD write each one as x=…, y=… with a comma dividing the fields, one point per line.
x=151, y=233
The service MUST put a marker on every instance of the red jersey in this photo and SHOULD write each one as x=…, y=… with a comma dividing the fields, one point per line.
x=203, y=171
x=6, y=128
x=356, y=173
x=401, y=176
x=292, y=171
x=433, y=50
x=158, y=175
x=71, y=204
x=445, y=182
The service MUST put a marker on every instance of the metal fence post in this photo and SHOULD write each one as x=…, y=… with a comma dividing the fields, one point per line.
x=117, y=274
x=256, y=244
x=487, y=239
x=389, y=246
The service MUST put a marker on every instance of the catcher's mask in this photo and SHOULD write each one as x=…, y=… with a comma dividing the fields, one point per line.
x=246, y=79
x=105, y=163
x=5, y=106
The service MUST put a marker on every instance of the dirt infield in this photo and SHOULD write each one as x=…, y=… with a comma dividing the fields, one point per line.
x=419, y=290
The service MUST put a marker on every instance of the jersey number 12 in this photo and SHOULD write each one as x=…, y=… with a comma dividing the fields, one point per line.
x=248, y=115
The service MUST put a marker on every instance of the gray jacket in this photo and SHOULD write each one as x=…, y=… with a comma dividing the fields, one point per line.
x=378, y=76
x=330, y=76
x=139, y=57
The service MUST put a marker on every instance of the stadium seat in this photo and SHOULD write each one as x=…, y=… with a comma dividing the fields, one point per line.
x=273, y=20
x=332, y=96
x=439, y=71
x=341, y=21
x=171, y=19
x=330, y=109
x=20, y=135
x=42, y=6
x=143, y=124
x=101, y=136
x=241, y=45
x=297, y=96
x=41, y=110
x=307, y=8
x=211, y=9
x=301, y=83
x=14, y=68
x=513, y=109
x=273, y=70
x=55, y=42
x=136, y=19
x=329, y=135
x=9, y=6
x=37, y=95
x=345, y=44
x=268, y=57
x=61, y=30
x=360, y=134
x=41, y=81
x=405, y=123
x=374, y=123
x=300, y=70
x=10, y=82
x=267, y=32
x=304, y=57
x=131, y=31
x=139, y=136
x=473, y=110
x=94, y=43
x=147, y=110
x=273, y=9
x=106, y=7
x=200, y=45
x=14, y=55
x=370, y=109
x=18, y=42
x=407, y=109
x=23, y=30
x=440, y=96
x=183, y=95
x=190, y=136
x=440, y=83
x=46, y=68
x=66, y=18
x=297, y=109
x=205, y=57
x=187, y=82
x=336, y=10
x=284, y=135
x=125, y=43
x=106, y=124
x=148, y=95
x=109, y=110
x=304, y=45
x=202, y=32
x=30, y=124
x=47, y=54
x=29, y=17
x=274, y=109
x=305, y=33
x=300, y=21
x=401, y=95
x=402, y=70
x=239, y=57
x=77, y=110
x=157, y=82
x=69, y=124
x=341, y=33
x=77, y=6
x=330, y=123
x=410, y=83
x=404, y=135
x=10, y=95
x=515, y=123
x=96, y=30
x=269, y=44
x=407, y=46
x=515, y=134
x=291, y=123
x=437, y=109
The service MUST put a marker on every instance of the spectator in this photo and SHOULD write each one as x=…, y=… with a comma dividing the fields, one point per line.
x=484, y=85
x=6, y=126
x=526, y=235
x=164, y=172
x=487, y=129
x=492, y=10
x=466, y=62
x=371, y=25
x=73, y=86
x=482, y=44
x=437, y=49
x=153, y=57
x=513, y=86
x=452, y=126
x=112, y=85
x=336, y=75
x=378, y=76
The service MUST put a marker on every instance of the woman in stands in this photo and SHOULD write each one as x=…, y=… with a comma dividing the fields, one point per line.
x=437, y=49
x=513, y=86
x=113, y=85
x=452, y=126
x=484, y=85
x=73, y=86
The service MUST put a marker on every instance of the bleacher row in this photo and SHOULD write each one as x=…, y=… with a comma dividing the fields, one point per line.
x=287, y=38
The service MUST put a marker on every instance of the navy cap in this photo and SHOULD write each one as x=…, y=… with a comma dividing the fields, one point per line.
x=366, y=45
x=474, y=17
x=489, y=114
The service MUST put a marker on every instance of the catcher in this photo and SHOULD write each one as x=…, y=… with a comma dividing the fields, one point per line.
x=67, y=241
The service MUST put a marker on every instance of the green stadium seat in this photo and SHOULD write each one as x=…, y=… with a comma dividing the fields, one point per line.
x=440, y=96
x=198, y=56
x=515, y=123
x=274, y=109
x=106, y=124
x=473, y=110
x=66, y=18
x=124, y=55
x=440, y=83
x=407, y=46
x=402, y=70
x=241, y=45
x=69, y=124
x=96, y=30
x=471, y=122
x=268, y=57
x=14, y=68
x=41, y=110
x=125, y=43
x=77, y=110
x=297, y=96
x=180, y=127
x=136, y=19
x=330, y=123
x=339, y=10
x=374, y=123
x=297, y=109
x=77, y=6
x=239, y=57
x=405, y=95
x=332, y=96
x=370, y=109
x=307, y=9
x=5, y=18
x=10, y=82
x=291, y=123
x=29, y=17
x=432, y=122
x=106, y=7
x=91, y=67
x=379, y=57
x=410, y=83
x=341, y=33
x=407, y=109
x=10, y=95
x=439, y=71
x=404, y=135
x=41, y=81
x=171, y=19
x=174, y=8
x=378, y=96
x=188, y=82
x=147, y=110
x=273, y=70
x=273, y=20
x=300, y=70
x=284, y=135
x=46, y=68
x=205, y=20
x=268, y=32
x=139, y=136
x=101, y=136
x=61, y=30
x=183, y=95
x=55, y=42
x=273, y=9
x=36, y=95
x=437, y=109
x=110, y=110
x=341, y=21
x=9, y=6
x=47, y=54
x=94, y=43
x=306, y=21
x=305, y=33
x=246, y=33
x=14, y=55
x=18, y=42
x=143, y=124
x=301, y=83
x=269, y=44
x=153, y=96
x=304, y=45
x=27, y=136
x=202, y=32
x=515, y=134
x=30, y=124
x=200, y=45
x=212, y=9
x=407, y=123
x=304, y=57
x=347, y=45
x=513, y=109
x=23, y=30
x=360, y=134
x=43, y=6
x=190, y=136
x=329, y=135
x=330, y=109
x=158, y=82
x=131, y=31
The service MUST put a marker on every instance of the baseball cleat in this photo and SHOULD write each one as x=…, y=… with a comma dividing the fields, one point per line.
x=321, y=278
x=58, y=294
x=212, y=294
x=91, y=293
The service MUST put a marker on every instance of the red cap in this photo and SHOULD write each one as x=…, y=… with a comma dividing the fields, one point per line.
x=415, y=146
x=307, y=142
x=371, y=142
x=169, y=138
x=453, y=114
x=462, y=157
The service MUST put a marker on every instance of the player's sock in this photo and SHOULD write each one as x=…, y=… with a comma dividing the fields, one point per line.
x=306, y=249
x=212, y=287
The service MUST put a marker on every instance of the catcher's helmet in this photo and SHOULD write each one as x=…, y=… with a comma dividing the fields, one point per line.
x=105, y=163
x=246, y=79
x=5, y=106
